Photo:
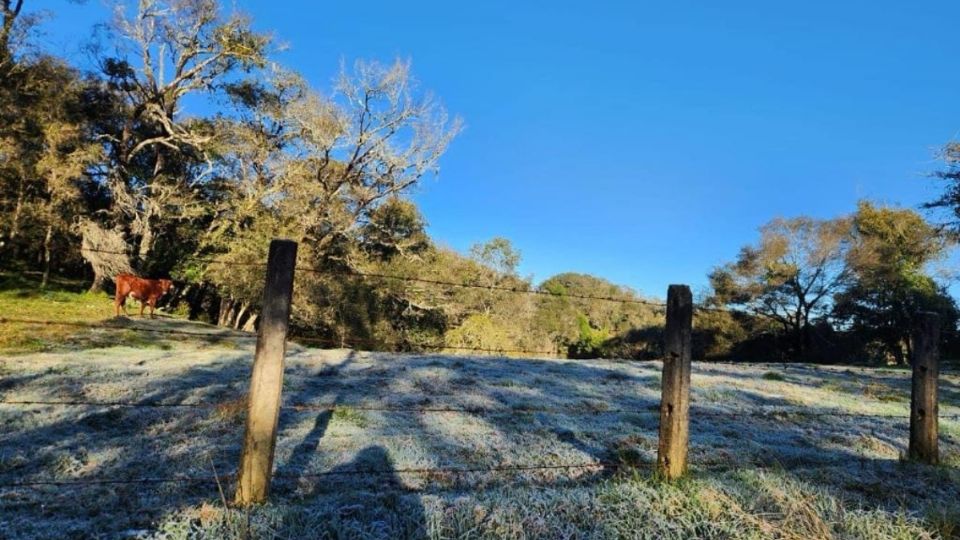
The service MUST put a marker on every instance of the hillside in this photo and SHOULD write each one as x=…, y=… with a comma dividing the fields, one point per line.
x=777, y=451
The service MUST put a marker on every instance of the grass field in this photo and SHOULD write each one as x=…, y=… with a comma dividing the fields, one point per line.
x=64, y=300
x=761, y=466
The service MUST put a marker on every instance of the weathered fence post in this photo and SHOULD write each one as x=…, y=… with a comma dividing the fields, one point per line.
x=266, y=383
x=675, y=385
x=924, y=408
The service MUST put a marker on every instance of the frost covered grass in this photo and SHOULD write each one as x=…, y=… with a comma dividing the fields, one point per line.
x=776, y=474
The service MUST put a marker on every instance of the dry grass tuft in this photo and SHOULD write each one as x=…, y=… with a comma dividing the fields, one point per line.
x=232, y=412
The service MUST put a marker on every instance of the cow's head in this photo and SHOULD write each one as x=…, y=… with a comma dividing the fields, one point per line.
x=165, y=285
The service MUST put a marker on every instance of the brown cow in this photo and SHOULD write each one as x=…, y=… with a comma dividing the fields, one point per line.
x=147, y=291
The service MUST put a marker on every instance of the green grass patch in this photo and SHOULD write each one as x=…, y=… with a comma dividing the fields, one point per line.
x=62, y=301
x=351, y=416
x=773, y=376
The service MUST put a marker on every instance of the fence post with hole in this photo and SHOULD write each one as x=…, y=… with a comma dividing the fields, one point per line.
x=924, y=407
x=675, y=384
x=266, y=383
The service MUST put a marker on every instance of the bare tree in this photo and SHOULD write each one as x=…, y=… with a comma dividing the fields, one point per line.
x=790, y=276
x=382, y=139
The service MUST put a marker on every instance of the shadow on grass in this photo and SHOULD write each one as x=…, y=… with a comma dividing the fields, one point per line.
x=493, y=428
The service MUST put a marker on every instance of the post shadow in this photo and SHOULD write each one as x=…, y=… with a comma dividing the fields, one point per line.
x=308, y=447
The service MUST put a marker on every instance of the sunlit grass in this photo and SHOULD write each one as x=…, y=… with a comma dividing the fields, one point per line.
x=62, y=301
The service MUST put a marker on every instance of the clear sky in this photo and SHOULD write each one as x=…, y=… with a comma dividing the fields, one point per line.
x=644, y=142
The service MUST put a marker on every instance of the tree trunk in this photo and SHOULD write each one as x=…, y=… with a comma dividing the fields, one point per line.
x=240, y=313
x=226, y=310
x=104, y=249
x=15, y=222
x=196, y=300
x=897, y=349
x=99, y=282
x=251, y=324
x=46, y=257
x=146, y=245
x=797, y=333
x=11, y=9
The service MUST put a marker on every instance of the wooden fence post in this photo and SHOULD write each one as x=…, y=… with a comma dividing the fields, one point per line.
x=924, y=407
x=266, y=383
x=675, y=385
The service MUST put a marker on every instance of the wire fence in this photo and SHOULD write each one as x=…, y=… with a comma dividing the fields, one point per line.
x=415, y=279
x=221, y=334
x=770, y=412
x=696, y=413
x=606, y=469
x=217, y=334
x=439, y=471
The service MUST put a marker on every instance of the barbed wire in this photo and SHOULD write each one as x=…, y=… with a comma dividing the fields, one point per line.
x=235, y=335
x=356, y=273
x=479, y=411
x=296, y=339
x=322, y=474
x=353, y=343
x=221, y=334
x=196, y=258
x=455, y=470
x=102, y=326
x=106, y=404
x=113, y=481
x=491, y=287
x=609, y=466
x=518, y=290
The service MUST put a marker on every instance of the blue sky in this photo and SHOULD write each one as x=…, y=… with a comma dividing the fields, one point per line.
x=644, y=142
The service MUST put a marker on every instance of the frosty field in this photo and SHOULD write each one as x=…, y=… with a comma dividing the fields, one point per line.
x=776, y=451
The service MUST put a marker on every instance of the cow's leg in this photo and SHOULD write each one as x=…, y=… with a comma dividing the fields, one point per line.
x=142, y=305
x=118, y=301
x=153, y=304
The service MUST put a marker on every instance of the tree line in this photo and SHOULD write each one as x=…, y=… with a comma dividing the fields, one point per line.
x=103, y=170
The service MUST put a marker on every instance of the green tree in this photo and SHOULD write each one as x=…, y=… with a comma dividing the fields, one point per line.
x=395, y=228
x=46, y=148
x=159, y=159
x=498, y=254
x=890, y=285
x=575, y=317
